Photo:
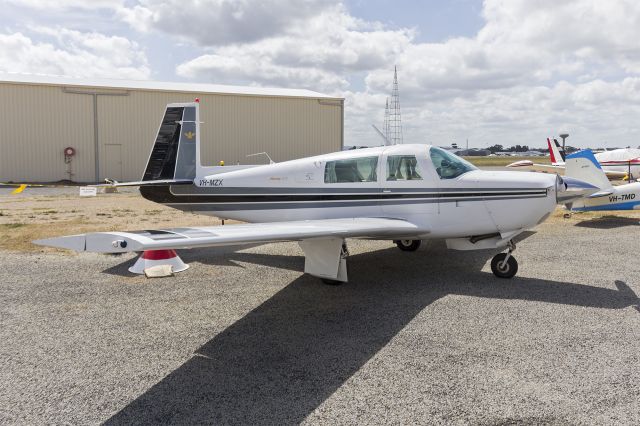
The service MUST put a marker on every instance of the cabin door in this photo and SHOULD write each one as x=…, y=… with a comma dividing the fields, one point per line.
x=406, y=183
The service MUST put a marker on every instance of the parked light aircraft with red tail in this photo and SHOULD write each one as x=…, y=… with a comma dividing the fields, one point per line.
x=616, y=164
x=403, y=193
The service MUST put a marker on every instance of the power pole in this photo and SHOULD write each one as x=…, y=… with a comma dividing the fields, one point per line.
x=385, y=128
x=564, y=136
x=395, y=118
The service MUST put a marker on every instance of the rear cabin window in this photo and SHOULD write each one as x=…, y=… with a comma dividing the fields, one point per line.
x=403, y=167
x=351, y=170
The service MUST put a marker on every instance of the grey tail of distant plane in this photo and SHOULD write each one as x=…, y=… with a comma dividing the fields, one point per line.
x=176, y=149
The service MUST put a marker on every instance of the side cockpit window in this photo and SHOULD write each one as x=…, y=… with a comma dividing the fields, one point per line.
x=403, y=167
x=448, y=165
x=351, y=170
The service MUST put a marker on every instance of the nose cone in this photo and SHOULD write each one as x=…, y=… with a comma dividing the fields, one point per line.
x=511, y=179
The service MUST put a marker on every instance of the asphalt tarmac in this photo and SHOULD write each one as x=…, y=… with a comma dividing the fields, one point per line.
x=243, y=337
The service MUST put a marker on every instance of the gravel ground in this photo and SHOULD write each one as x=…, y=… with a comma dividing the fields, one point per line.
x=244, y=337
x=51, y=191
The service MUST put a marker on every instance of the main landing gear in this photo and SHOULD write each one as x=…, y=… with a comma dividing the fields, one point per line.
x=344, y=253
x=503, y=265
x=408, y=245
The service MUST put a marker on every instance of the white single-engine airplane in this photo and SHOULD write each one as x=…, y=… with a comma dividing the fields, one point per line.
x=404, y=193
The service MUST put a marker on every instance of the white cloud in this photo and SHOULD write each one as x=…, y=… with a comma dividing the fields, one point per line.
x=73, y=53
x=68, y=4
x=218, y=22
x=535, y=68
x=317, y=53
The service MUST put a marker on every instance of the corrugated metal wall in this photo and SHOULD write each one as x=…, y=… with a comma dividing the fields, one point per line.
x=39, y=121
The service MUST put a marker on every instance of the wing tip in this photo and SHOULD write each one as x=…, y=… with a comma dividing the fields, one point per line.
x=70, y=242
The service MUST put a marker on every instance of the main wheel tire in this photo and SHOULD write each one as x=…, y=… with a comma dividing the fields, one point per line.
x=508, y=270
x=408, y=245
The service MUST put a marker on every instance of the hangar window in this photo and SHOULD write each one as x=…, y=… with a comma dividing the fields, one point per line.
x=449, y=165
x=403, y=167
x=351, y=170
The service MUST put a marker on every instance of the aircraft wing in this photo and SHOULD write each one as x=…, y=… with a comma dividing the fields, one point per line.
x=182, y=238
x=560, y=169
x=530, y=165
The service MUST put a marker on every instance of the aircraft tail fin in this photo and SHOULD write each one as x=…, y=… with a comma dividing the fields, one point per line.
x=176, y=150
x=584, y=166
x=556, y=153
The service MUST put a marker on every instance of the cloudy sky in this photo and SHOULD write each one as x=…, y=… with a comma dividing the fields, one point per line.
x=492, y=71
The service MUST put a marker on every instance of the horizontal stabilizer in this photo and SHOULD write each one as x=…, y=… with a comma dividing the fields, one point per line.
x=601, y=194
x=160, y=182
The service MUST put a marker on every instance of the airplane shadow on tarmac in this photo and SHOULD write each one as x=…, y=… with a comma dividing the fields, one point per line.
x=609, y=222
x=283, y=359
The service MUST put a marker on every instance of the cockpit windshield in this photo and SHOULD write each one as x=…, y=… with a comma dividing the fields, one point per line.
x=449, y=165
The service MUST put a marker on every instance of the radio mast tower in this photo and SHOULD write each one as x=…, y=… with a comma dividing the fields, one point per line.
x=395, y=118
x=385, y=128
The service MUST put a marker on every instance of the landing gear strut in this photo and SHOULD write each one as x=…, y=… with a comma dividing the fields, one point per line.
x=504, y=265
x=408, y=245
x=344, y=253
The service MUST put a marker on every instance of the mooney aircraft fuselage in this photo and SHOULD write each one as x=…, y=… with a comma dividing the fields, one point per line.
x=402, y=181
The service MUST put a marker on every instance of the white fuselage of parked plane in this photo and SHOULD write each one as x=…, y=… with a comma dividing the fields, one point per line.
x=474, y=203
x=623, y=197
x=622, y=160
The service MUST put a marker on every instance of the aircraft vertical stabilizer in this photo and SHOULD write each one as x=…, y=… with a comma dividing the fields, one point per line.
x=556, y=153
x=175, y=152
x=584, y=166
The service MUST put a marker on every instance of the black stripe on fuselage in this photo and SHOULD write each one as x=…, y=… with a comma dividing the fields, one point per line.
x=166, y=195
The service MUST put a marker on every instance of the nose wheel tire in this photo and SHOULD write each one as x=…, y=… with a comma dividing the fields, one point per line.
x=408, y=245
x=502, y=269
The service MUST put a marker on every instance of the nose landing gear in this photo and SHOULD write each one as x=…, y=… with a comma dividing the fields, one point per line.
x=408, y=245
x=504, y=265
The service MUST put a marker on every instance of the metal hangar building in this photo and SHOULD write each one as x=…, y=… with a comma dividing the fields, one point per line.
x=110, y=125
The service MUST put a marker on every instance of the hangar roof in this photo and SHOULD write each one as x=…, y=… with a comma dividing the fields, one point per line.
x=53, y=80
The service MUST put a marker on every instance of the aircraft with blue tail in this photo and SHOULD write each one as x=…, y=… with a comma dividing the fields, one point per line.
x=584, y=166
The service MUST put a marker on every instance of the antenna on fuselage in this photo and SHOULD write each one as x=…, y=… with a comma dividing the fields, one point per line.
x=262, y=153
